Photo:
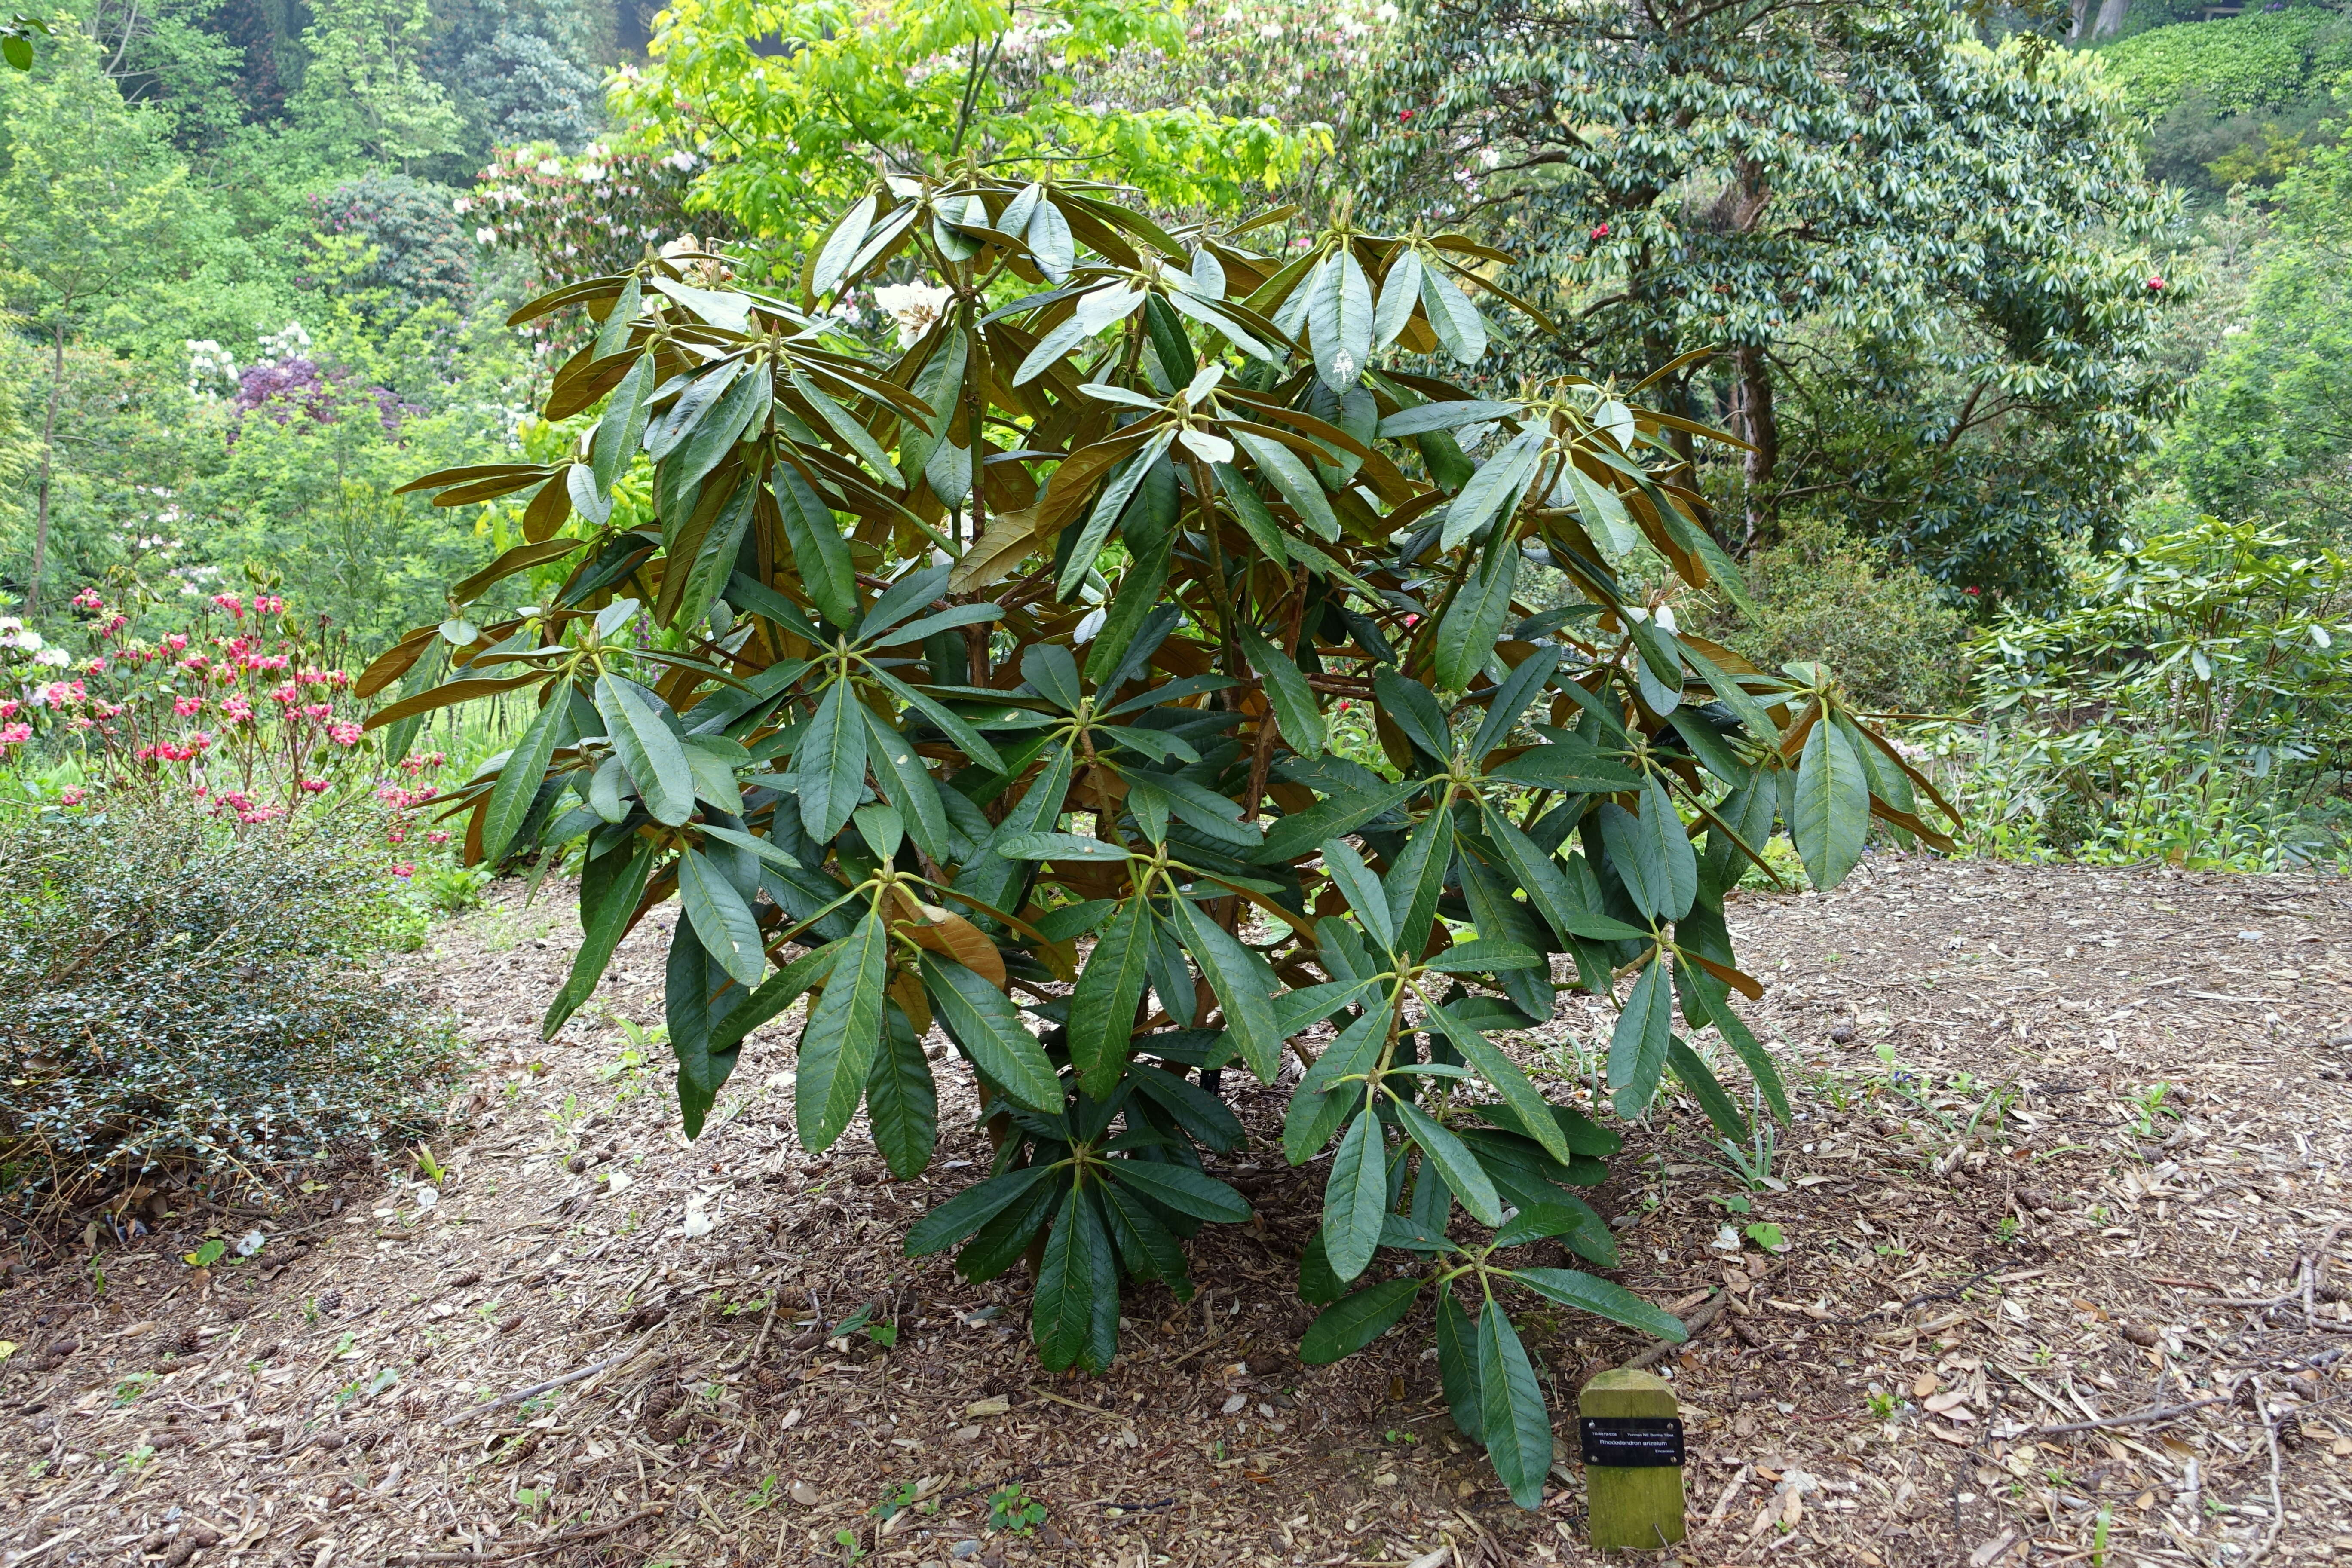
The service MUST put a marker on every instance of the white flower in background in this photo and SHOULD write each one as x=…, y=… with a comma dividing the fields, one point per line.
x=286, y=345
x=549, y=166
x=914, y=306
x=681, y=245
x=680, y=161
x=11, y=624
x=55, y=658
x=462, y=205
x=590, y=172
x=486, y=235
x=207, y=362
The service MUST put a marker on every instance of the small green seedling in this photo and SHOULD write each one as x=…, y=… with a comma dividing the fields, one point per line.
x=1766, y=1235
x=210, y=1253
x=1010, y=1508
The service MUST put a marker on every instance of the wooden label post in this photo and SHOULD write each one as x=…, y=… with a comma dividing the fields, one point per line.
x=1631, y=1436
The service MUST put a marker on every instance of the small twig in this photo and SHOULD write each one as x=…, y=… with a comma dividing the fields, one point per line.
x=557, y=1544
x=1693, y=1326
x=2269, y=1436
x=520, y=1394
x=2136, y=1418
x=766, y=1321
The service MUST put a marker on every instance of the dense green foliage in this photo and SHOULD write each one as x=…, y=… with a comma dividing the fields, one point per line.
x=1923, y=263
x=2190, y=703
x=176, y=998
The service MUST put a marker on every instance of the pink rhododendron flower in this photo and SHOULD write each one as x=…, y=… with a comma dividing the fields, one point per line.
x=403, y=869
x=312, y=786
x=344, y=734
x=70, y=797
x=11, y=734
x=438, y=835
x=183, y=706
x=88, y=599
x=231, y=603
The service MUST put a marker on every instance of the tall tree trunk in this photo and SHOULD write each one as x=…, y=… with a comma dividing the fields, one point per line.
x=2111, y=18
x=1759, y=426
x=48, y=446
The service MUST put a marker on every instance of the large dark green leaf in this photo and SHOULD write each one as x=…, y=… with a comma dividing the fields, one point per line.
x=1244, y=985
x=1354, y=1322
x=912, y=789
x=1148, y=1249
x=720, y=918
x=1103, y=1004
x=1457, y=1367
x=829, y=762
x=1652, y=855
x=1416, y=881
x=609, y=890
x=1295, y=708
x=987, y=1026
x=1466, y=638
x=1637, y=1048
x=1183, y=1189
x=1455, y=1163
x=1571, y=1289
x=1293, y=835
x=1518, y=1428
x=1522, y=687
x=1570, y=765
x=1511, y=1083
x=966, y=1212
x=1831, y=818
x=692, y=980
x=519, y=779
x=1291, y=478
x=901, y=1100
x=1551, y=893
x=843, y=1033
x=818, y=549
x=653, y=755
x=1699, y=1079
x=1075, y=1317
x=1494, y=488
x=1356, y=1197
x=990, y=877
x=622, y=427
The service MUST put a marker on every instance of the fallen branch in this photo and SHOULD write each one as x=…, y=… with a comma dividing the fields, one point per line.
x=2136, y=1418
x=520, y=1394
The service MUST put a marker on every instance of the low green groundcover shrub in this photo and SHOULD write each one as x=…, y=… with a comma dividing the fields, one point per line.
x=175, y=995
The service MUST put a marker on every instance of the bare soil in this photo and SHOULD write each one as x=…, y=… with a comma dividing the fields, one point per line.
x=1993, y=1224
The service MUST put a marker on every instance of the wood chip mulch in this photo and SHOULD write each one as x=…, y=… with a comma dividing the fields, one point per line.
x=2067, y=1278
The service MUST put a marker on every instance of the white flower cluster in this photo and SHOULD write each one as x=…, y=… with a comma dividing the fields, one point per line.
x=209, y=363
x=914, y=306
x=286, y=344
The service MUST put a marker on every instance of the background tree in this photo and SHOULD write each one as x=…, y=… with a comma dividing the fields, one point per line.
x=364, y=96
x=1946, y=241
x=794, y=105
x=93, y=205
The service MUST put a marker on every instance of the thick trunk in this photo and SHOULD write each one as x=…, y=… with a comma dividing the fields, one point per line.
x=48, y=446
x=2111, y=18
x=1759, y=426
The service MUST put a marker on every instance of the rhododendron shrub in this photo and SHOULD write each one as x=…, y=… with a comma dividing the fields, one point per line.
x=993, y=690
